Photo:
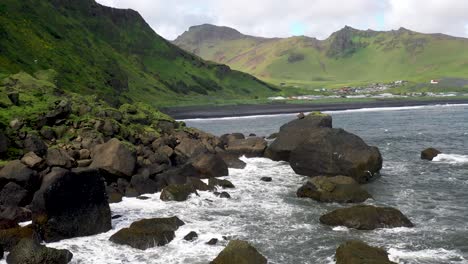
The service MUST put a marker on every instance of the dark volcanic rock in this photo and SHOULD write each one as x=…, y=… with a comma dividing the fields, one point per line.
x=10, y=237
x=60, y=158
x=115, y=157
x=366, y=217
x=17, y=214
x=17, y=172
x=332, y=152
x=232, y=160
x=212, y=241
x=250, y=147
x=14, y=195
x=429, y=154
x=28, y=251
x=266, y=179
x=148, y=233
x=338, y=189
x=61, y=111
x=210, y=165
x=223, y=195
x=144, y=184
x=177, y=192
x=357, y=252
x=292, y=134
x=219, y=182
x=68, y=200
x=33, y=143
x=226, y=139
x=191, y=236
x=239, y=252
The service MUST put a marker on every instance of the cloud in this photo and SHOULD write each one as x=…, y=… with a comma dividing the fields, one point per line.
x=317, y=18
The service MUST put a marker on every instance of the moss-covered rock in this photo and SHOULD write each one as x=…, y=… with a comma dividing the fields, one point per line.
x=28, y=251
x=358, y=252
x=239, y=252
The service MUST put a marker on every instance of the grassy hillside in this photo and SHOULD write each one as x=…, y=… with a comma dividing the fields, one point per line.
x=112, y=53
x=348, y=56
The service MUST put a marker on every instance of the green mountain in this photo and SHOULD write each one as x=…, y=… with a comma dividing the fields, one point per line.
x=348, y=56
x=112, y=53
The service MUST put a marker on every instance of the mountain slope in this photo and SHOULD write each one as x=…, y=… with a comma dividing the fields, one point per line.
x=347, y=56
x=113, y=53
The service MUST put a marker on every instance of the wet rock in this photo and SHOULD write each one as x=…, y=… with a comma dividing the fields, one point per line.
x=32, y=160
x=226, y=139
x=250, y=147
x=366, y=217
x=33, y=143
x=300, y=116
x=225, y=184
x=212, y=242
x=16, y=214
x=429, y=154
x=85, y=154
x=61, y=111
x=148, y=233
x=84, y=163
x=28, y=251
x=239, y=252
x=339, y=189
x=191, y=236
x=178, y=175
x=266, y=179
x=115, y=157
x=66, y=200
x=198, y=184
x=60, y=158
x=222, y=195
x=232, y=160
x=144, y=184
x=177, y=192
x=10, y=237
x=333, y=152
x=143, y=198
x=14, y=195
x=357, y=252
x=210, y=165
x=16, y=171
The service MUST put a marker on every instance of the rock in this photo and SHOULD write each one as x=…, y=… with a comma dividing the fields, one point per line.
x=32, y=160
x=84, y=163
x=47, y=132
x=61, y=111
x=14, y=98
x=292, y=134
x=338, y=189
x=60, y=158
x=33, y=143
x=177, y=175
x=210, y=165
x=28, y=251
x=187, y=149
x=429, y=154
x=16, y=214
x=252, y=135
x=226, y=139
x=273, y=136
x=114, y=157
x=250, y=147
x=10, y=237
x=113, y=195
x=148, y=233
x=4, y=143
x=223, y=195
x=144, y=184
x=177, y=192
x=332, y=152
x=212, y=242
x=14, y=195
x=300, y=116
x=191, y=236
x=239, y=252
x=17, y=172
x=225, y=184
x=266, y=179
x=6, y=224
x=16, y=124
x=366, y=217
x=199, y=185
x=232, y=160
x=66, y=200
x=85, y=154
x=357, y=252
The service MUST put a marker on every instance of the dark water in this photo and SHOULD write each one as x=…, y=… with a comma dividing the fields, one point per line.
x=434, y=195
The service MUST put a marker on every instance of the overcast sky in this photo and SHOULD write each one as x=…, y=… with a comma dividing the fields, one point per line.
x=315, y=18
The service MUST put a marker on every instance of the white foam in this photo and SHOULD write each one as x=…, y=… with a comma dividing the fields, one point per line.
x=340, y=228
x=439, y=255
x=451, y=158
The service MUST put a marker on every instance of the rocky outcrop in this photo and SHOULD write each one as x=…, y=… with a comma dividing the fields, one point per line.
x=239, y=252
x=338, y=189
x=357, y=252
x=148, y=233
x=16, y=171
x=71, y=204
x=210, y=165
x=28, y=251
x=331, y=152
x=429, y=154
x=366, y=217
x=250, y=147
x=177, y=192
x=114, y=157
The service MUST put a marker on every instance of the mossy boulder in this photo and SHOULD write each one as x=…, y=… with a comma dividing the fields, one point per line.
x=148, y=233
x=10, y=237
x=358, y=252
x=339, y=189
x=239, y=252
x=225, y=184
x=429, y=153
x=177, y=192
x=366, y=217
x=28, y=251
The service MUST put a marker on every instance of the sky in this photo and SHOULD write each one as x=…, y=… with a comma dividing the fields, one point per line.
x=314, y=18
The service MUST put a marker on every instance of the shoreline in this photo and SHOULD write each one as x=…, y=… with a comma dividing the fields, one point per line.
x=196, y=112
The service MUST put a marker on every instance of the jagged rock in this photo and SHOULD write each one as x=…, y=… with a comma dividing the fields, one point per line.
x=239, y=252
x=115, y=157
x=250, y=147
x=292, y=134
x=17, y=172
x=148, y=233
x=32, y=160
x=177, y=192
x=212, y=242
x=210, y=165
x=429, y=154
x=61, y=111
x=191, y=236
x=16, y=124
x=33, y=143
x=232, y=160
x=225, y=184
x=144, y=184
x=177, y=175
x=366, y=217
x=226, y=139
x=60, y=158
x=71, y=204
x=266, y=179
x=187, y=149
x=84, y=154
x=10, y=237
x=339, y=189
x=198, y=184
x=28, y=251
x=14, y=195
x=47, y=132
x=16, y=214
x=357, y=252
x=332, y=152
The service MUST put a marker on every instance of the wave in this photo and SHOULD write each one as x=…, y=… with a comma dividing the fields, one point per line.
x=439, y=255
x=451, y=158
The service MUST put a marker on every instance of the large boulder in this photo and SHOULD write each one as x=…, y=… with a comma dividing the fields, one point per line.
x=250, y=147
x=429, y=154
x=61, y=111
x=60, y=158
x=16, y=171
x=366, y=217
x=177, y=192
x=28, y=251
x=32, y=160
x=114, y=157
x=71, y=204
x=232, y=160
x=14, y=195
x=292, y=134
x=210, y=165
x=17, y=214
x=357, y=252
x=331, y=152
x=338, y=189
x=188, y=148
x=148, y=233
x=145, y=184
x=10, y=237
x=34, y=143
x=239, y=252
